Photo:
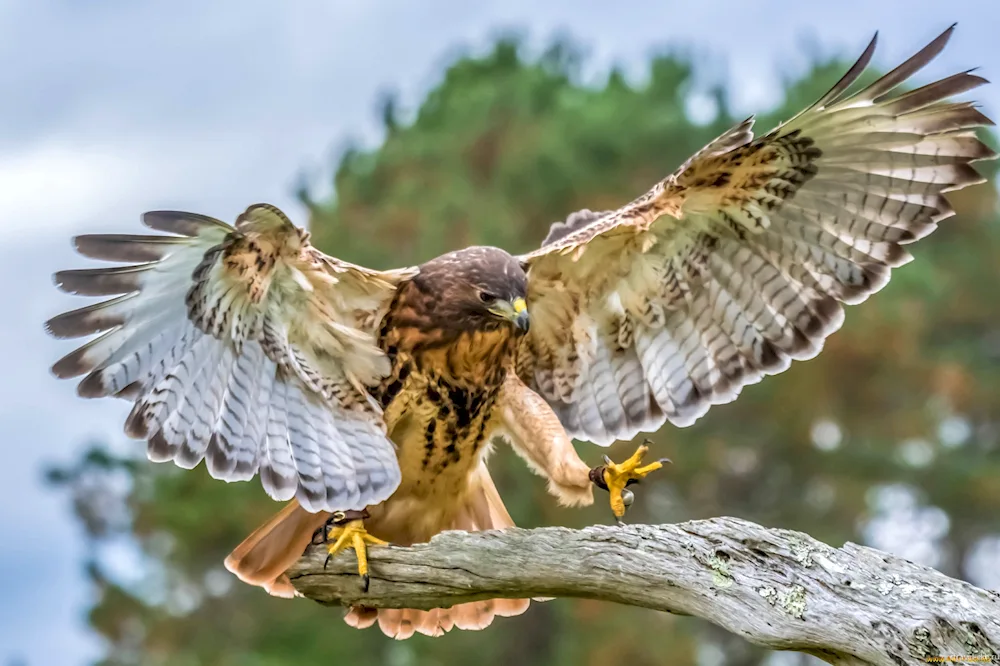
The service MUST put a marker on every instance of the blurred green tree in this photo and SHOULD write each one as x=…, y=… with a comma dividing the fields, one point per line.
x=893, y=426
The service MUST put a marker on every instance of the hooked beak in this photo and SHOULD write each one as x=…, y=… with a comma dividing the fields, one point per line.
x=515, y=311
x=521, y=318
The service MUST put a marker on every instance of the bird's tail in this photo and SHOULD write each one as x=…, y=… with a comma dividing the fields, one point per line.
x=484, y=510
x=265, y=555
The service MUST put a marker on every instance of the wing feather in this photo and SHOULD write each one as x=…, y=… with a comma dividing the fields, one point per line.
x=740, y=261
x=277, y=472
x=242, y=346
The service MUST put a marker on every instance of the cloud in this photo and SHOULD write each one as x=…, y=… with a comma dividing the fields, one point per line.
x=56, y=182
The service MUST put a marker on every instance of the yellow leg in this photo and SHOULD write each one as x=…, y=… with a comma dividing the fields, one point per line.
x=616, y=476
x=352, y=534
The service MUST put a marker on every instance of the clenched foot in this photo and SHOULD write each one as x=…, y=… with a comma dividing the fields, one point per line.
x=346, y=529
x=614, y=477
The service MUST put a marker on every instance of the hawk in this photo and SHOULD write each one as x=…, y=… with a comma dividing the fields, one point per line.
x=369, y=398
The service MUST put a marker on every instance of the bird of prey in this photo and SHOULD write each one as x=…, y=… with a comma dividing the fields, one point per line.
x=369, y=398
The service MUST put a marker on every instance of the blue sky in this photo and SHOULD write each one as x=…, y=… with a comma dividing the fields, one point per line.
x=113, y=107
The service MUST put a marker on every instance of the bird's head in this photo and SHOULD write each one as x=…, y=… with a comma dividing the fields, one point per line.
x=478, y=288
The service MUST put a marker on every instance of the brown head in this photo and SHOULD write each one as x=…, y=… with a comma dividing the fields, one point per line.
x=475, y=289
x=472, y=291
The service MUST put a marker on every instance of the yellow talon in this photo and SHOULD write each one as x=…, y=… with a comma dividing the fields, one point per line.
x=616, y=476
x=352, y=534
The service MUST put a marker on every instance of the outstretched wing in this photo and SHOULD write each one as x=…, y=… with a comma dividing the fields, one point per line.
x=739, y=262
x=241, y=345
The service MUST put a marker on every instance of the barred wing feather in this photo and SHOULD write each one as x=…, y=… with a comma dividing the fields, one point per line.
x=242, y=346
x=741, y=260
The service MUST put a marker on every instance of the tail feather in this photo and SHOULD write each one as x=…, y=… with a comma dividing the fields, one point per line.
x=272, y=548
x=402, y=623
x=361, y=617
x=484, y=510
x=265, y=555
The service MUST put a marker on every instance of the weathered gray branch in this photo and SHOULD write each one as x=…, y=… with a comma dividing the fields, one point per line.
x=776, y=588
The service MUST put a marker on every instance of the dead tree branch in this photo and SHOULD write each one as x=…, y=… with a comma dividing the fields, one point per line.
x=776, y=588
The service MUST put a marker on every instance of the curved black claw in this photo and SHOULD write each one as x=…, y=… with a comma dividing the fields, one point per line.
x=349, y=531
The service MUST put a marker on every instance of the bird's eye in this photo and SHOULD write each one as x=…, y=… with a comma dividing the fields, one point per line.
x=486, y=297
